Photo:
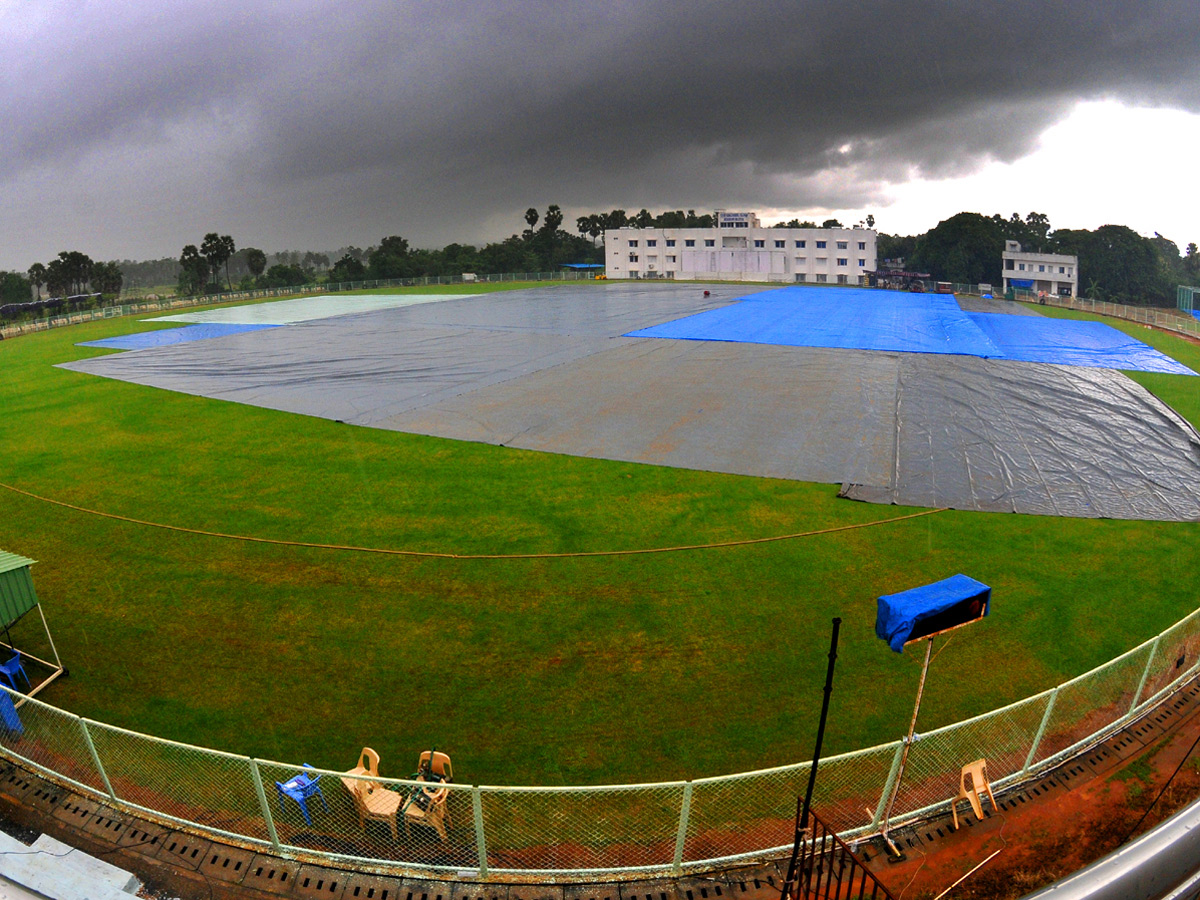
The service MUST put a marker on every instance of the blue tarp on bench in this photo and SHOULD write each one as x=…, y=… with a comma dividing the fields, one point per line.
x=162, y=337
x=900, y=613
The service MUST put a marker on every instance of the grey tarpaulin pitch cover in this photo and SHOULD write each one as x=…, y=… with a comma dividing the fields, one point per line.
x=552, y=370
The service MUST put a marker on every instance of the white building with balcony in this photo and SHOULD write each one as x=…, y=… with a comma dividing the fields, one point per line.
x=1049, y=273
x=741, y=249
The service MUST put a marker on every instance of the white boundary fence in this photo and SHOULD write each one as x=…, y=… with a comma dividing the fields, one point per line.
x=596, y=831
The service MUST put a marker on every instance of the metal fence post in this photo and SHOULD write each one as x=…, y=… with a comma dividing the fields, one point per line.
x=685, y=812
x=1137, y=695
x=480, y=841
x=268, y=820
x=87, y=737
x=888, y=785
x=1037, y=738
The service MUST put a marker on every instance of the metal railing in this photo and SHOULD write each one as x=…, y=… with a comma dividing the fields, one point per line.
x=154, y=303
x=595, y=831
x=823, y=867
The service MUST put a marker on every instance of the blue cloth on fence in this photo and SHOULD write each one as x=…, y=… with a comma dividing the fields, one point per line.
x=899, y=614
x=8, y=715
x=144, y=339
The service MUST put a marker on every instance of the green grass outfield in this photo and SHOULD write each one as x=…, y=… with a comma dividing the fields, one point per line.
x=547, y=671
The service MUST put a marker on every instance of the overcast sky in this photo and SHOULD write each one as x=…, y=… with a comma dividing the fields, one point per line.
x=131, y=129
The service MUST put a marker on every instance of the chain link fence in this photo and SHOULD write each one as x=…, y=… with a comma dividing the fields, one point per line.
x=581, y=832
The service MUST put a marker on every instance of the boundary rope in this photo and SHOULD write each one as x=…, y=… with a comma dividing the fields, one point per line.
x=433, y=554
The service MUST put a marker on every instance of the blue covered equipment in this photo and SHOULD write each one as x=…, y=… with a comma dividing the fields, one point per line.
x=924, y=611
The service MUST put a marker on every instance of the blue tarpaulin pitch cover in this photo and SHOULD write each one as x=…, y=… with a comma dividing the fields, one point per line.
x=160, y=338
x=899, y=614
x=843, y=318
x=868, y=319
x=1068, y=343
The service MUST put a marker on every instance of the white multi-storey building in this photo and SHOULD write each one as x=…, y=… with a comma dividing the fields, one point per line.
x=1049, y=273
x=741, y=249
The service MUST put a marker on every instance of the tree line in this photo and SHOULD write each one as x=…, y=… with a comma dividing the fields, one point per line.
x=73, y=280
x=542, y=246
x=1115, y=262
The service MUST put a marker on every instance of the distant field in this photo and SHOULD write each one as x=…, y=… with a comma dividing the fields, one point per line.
x=551, y=671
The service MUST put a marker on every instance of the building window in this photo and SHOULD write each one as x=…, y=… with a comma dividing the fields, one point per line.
x=821, y=279
x=633, y=243
x=741, y=224
x=800, y=245
x=822, y=259
x=800, y=276
x=842, y=261
x=1008, y=264
x=652, y=243
x=670, y=242
x=843, y=245
x=670, y=259
x=1041, y=268
x=862, y=245
x=652, y=258
x=710, y=242
x=689, y=243
x=1070, y=270
x=820, y=245
x=841, y=279
x=633, y=257
x=760, y=243
x=1062, y=270
x=1021, y=267
x=780, y=244
x=862, y=262
x=801, y=260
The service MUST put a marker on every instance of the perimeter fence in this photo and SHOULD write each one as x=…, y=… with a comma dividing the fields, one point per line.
x=595, y=832
x=155, y=303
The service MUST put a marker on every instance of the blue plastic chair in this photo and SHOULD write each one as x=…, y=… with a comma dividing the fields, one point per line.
x=10, y=670
x=299, y=788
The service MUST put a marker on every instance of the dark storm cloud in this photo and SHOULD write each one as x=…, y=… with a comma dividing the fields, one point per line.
x=436, y=116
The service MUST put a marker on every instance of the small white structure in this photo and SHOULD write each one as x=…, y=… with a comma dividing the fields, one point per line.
x=741, y=249
x=1044, y=273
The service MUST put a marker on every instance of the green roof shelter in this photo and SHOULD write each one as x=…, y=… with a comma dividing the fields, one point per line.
x=17, y=597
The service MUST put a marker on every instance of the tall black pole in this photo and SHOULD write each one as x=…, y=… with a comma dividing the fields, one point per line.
x=802, y=811
x=812, y=773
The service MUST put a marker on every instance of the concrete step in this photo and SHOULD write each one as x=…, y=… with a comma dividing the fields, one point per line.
x=57, y=871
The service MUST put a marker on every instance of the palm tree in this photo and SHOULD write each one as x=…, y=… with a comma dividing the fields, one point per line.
x=37, y=277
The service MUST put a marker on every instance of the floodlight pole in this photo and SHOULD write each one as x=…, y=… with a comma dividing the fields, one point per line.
x=892, y=848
